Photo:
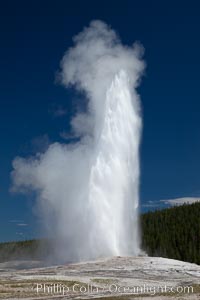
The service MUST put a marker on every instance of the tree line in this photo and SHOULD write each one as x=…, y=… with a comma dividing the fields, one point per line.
x=172, y=233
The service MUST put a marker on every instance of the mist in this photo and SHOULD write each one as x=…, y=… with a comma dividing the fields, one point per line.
x=87, y=192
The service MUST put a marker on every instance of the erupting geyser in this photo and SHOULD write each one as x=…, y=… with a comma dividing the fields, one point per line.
x=87, y=192
x=113, y=182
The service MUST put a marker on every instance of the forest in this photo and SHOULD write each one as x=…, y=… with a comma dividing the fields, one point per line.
x=173, y=232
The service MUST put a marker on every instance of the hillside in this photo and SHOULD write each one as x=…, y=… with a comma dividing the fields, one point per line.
x=173, y=233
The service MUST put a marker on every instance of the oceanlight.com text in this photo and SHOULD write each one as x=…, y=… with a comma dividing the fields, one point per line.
x=78, y=288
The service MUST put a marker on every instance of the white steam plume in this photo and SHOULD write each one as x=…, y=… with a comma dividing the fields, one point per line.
x=87, y=192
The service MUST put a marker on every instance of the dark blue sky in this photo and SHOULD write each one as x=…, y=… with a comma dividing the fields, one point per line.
x=34, y=37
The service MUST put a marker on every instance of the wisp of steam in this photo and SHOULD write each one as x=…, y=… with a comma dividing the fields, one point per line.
x=87, y=192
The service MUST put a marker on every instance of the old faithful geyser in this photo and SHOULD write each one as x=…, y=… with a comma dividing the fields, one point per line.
x=87, y=192
x=113, y=181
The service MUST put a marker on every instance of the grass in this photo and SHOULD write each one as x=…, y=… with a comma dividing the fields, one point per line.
x=11, y=289
x=196, y=290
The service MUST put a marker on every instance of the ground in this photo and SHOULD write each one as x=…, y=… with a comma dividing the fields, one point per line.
x=119, y=278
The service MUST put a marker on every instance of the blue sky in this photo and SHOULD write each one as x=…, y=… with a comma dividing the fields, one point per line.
x=34, y=109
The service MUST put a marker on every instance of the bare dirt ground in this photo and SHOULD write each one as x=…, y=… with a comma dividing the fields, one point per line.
x=118, y=278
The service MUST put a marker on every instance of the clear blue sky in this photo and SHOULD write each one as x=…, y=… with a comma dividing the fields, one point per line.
x=34, y=36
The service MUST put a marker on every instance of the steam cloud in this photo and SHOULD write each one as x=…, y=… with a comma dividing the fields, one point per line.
x=87, y=192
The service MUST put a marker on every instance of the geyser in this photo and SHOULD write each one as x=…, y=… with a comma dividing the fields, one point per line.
x=87, y=192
